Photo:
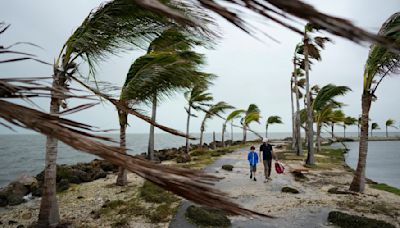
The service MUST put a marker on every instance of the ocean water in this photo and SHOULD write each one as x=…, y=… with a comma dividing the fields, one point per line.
x=383, y=160
x=24, y=154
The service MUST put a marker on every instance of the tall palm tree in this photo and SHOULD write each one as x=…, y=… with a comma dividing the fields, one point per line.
x=152, y=77
x=348, y=121
x=173, y=40
x=381, y=63
x=389, y=123
x=374, y=126
x=272, y=120
x=324, y=106
x=297, y=73
x=214, y=110
x=231, y=117
x=198, y=99
x=311, y=49
x=113, y=26
x=252, y=115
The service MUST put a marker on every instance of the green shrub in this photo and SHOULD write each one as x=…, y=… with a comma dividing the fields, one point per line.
x=385, y=187
x=203, y=216
x=349, y=221
x=153, y=194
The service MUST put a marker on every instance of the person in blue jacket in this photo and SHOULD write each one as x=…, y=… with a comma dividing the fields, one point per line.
x=253, y=160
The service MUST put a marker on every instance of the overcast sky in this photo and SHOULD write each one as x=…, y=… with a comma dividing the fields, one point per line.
x=249, y=71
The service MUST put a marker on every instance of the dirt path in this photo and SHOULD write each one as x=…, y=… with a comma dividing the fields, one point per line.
x=259, y=196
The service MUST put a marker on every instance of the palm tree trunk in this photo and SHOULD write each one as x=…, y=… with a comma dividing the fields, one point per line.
x=318, y=137
x=387, y=132
x=232, y=131
x=187, y=129
x=310, y=134
x=244, y=134
x=358, y=183
x=122, y=178
x=298, y=146
x=293, y=115
x=202, y=132
x=223, y=134
x=49, y=215
x=150, y=149
x=333, y=129
x=214, y=141
x=344, y=131
x=266, y=131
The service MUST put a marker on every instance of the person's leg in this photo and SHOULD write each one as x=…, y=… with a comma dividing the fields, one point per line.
x=254, y=173
x=269, y=167
x=251, y=172
x=265, y=168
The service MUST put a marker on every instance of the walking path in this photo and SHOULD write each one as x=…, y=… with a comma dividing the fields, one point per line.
x=309, y=208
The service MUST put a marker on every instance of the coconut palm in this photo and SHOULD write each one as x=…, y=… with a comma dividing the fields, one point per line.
x=337, y=117
x=114, y=26
x=389, y=123
x=153, y=77
x=374, y=126
x=214, y=110
x=324, y=106
x=231, y=117
x=297, y=73
x=252, y=115
x=310, y=49
x=272, y=120
x=173, y=40
x=348, y=121
x=380, y=64
x=198, y=99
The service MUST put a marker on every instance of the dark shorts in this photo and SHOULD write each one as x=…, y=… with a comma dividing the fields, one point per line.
x=253, y=168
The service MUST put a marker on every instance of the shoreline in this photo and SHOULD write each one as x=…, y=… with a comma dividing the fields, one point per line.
x=92, y=197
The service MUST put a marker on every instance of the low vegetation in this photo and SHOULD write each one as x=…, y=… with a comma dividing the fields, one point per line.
x=385, y=187
x=208, y=217
x=349, y=221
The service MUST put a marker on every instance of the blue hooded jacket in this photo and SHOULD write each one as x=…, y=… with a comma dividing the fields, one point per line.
x=253, y=158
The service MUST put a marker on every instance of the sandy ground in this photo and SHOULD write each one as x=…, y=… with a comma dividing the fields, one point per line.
x=309, y=208
x=78, y=202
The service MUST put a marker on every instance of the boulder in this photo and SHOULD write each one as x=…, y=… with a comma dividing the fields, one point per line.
x=345, y=220
x=227, y=167
x=290, y=190
x=62, y=185
x=13, y=194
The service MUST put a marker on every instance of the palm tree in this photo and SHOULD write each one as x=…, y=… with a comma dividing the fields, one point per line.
x=152, y=77
x=337, y=117
x=114, y=26
x=381, y=62
x=173, y=40
x=272, y=120
x=324, y=106
x=252, y=115
x=374, y=126
x=233, y=115
x=311, y=49
x=389, y=123
x=297, y=72
x=198, y=99
x=214, y=110
x=348, y=121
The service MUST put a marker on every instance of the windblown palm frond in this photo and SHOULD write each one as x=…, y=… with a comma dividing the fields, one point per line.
x=190, y=184
x=274, y=120
x=390, y=123
x=327, y=96
x=375, y=126
x=235, y=114
x=348, y=121
x=383, y=61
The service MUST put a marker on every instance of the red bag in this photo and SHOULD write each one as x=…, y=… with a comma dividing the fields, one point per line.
x=279, y=168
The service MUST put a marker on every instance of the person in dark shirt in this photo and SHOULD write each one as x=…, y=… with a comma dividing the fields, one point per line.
x=266, y=154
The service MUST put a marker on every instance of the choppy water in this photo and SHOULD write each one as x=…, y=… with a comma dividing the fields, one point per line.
x=383, y=161
x=24, y=154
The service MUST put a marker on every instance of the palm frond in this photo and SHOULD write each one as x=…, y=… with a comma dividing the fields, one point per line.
x=235, y=114
x=274, y=120
x=390, y=122
x=327, y=94
x=375, y=126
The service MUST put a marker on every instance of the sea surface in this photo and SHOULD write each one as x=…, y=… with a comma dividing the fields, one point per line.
x=383, y=160
x=24, y=154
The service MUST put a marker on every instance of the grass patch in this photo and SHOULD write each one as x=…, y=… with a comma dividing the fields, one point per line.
x=121, y=222
x=208, y=217
x=151, y=193
x=161, y=214
x=349, y=221
x=385, y=187
x=108, y=207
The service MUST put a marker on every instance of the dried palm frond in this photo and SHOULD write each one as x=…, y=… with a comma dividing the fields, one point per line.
x=191, y=184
